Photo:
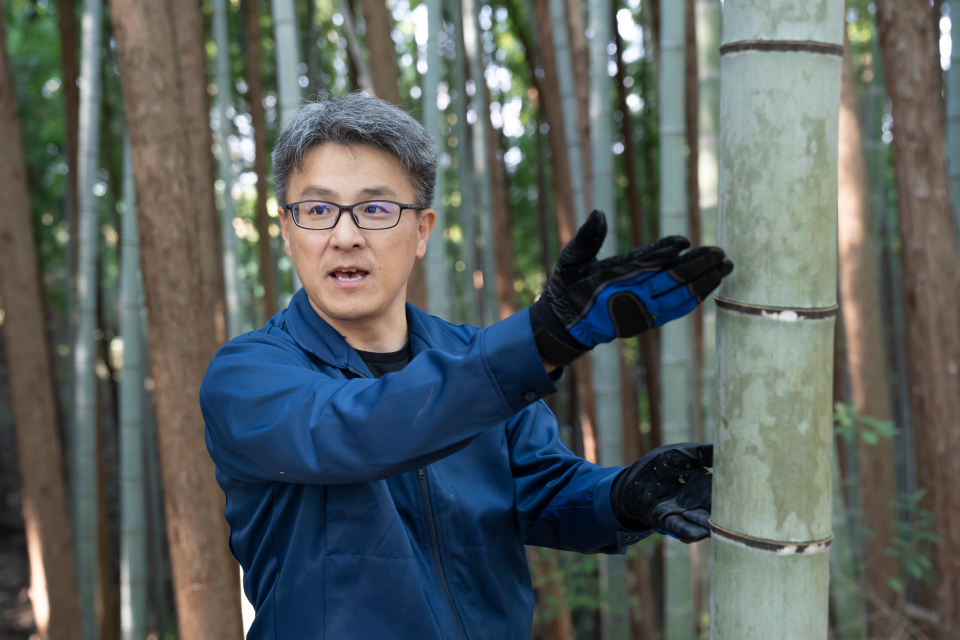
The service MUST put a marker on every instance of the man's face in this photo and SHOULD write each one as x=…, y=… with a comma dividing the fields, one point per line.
x=353, y=274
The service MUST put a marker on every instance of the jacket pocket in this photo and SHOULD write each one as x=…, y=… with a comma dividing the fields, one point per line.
x=376, y=598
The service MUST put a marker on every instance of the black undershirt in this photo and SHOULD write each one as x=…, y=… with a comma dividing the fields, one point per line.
x=381, y=363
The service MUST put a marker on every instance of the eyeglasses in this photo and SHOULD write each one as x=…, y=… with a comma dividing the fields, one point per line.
x=373, y=215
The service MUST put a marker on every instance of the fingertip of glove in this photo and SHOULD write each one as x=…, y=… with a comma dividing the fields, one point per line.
x=725, y=268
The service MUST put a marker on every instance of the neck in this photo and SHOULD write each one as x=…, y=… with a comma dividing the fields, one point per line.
x=383, y=333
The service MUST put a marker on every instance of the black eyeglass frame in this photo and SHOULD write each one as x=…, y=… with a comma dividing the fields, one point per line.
x=342, y=208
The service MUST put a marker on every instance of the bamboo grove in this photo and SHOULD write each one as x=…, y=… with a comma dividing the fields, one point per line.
x=817, y=142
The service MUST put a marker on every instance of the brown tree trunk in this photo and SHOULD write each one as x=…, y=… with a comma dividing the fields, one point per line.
x=502, y=229
x=563, y=204
x=648, y=352
x=53, y=578
x=580, y=59
x=866, y=363
x=205, y=577
x=251, y=24
x=931, y=276
x=108, y=592
x=192, y=62
x=549, y=96
x=643, y=622
x=386, y=84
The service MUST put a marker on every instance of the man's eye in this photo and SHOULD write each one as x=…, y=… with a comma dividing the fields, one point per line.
x=319, y=209
x=372, y=208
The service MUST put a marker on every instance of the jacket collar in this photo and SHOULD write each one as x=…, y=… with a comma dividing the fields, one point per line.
x=315, y=335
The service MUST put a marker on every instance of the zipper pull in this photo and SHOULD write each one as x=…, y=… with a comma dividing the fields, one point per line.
x=421, y=472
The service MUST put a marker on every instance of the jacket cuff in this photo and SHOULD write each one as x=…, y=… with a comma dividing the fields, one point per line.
x=608, y=520
x=511, y=354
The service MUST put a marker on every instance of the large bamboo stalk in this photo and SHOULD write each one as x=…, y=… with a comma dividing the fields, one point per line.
x=436, y=265
x=931, y=277
x=133, y=541
x=205, y=576
x=228, y=208
x=676, y=337
x=53, y=579
x=866, y=363
x=84, y=348
x=780, y=100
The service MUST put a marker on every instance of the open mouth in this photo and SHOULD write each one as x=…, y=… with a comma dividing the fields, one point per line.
x=348, y=275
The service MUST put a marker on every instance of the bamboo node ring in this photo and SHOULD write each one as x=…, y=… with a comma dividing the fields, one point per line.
x=785, y=314
x=776, y=546
x=806, y=46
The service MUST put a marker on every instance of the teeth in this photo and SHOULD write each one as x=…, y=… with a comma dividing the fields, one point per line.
x=353, y=279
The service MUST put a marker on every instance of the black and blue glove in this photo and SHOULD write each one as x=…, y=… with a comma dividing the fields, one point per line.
x=669, y=489
x=589, y=302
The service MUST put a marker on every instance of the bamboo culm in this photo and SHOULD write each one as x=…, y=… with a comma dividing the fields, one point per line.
x=133, y=542
x=775, y=321
x=228, y=208
x=436, y=264
x=481, y=171
x=606, y=371
x=467, y=187
x=676, y=337
x=289, y=95
x=84, y=348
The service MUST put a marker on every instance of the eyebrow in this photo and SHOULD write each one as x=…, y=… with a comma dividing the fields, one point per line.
x=323, y=192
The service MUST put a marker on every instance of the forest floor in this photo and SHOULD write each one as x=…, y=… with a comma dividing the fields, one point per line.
x=16, y=616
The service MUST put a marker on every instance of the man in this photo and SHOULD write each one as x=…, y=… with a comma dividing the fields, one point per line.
x=383, y=469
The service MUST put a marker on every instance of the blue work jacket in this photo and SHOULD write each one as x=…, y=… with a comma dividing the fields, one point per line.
x=398, y=507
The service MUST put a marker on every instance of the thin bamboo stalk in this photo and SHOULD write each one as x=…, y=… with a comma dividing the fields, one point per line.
x=287, y=47
x=676, y=337
x=84, y=350
x=775, y=324
x=481, y=169
x=231, y=285
x=465, y=174
x=436, y=264
x=615, y=618
x=133, y=544
x=953, y=113
x=568, y=98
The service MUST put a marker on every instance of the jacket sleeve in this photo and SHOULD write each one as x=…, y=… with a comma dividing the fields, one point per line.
x=562, y=501
x=271, y=417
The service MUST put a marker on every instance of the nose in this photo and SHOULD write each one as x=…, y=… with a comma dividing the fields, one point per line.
x=346, y=234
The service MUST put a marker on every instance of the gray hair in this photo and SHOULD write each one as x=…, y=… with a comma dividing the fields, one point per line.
x=357, y=118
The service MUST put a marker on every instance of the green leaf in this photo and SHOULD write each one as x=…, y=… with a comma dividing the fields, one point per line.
x=895, y=584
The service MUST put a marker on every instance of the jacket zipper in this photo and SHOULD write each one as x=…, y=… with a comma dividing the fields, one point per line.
x=435, y=547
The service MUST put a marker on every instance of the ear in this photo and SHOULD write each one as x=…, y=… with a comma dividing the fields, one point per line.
x=286, y=222
x=425, y=224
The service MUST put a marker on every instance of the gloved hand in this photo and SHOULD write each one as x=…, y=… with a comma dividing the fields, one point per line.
x=669, y=489
x=588, y=302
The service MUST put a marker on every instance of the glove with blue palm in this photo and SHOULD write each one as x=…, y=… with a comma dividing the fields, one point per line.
x=589, y=302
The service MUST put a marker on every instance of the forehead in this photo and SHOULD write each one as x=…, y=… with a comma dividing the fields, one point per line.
x=350, y=172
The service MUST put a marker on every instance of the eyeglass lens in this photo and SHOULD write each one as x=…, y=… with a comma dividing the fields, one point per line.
x=323, y=215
